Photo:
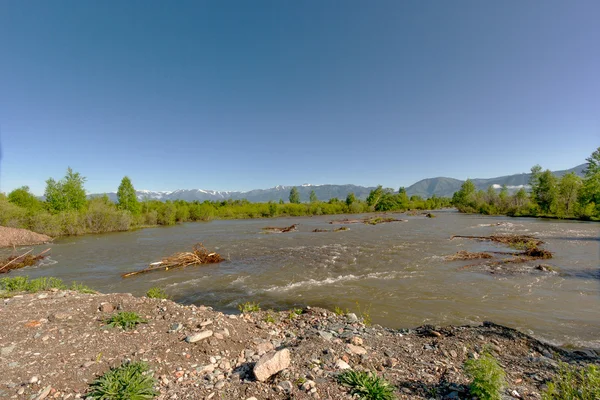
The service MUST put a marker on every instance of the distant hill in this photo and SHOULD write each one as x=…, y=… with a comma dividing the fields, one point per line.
x=441, y=187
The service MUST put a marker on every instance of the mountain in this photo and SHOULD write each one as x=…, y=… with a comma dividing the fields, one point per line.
x=441, y=187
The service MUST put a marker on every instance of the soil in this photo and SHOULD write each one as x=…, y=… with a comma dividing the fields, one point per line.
x=53, y=344
x=10, y=237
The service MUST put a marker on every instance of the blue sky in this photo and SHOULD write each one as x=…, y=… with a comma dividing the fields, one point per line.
x=237, y=95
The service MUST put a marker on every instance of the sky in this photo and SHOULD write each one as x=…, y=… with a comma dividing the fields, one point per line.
x=240, y=95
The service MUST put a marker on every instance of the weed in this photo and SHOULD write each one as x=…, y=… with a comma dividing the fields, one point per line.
x=366, y=385
x=488, y=377
x=249, y=307
x=23, y=284
x=128, y=382
x=340, y=311
x=270, y=318
x=365, y=314
x=574, y=383
x=156, y=293
x=125, y=319
x=81, y=288
x=300, y=381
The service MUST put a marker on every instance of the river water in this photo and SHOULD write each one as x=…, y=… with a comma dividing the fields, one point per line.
x=396, y=272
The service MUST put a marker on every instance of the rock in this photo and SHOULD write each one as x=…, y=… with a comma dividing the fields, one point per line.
x=5, y=351
x=21, y=391
x=390, y=362
x=286, y=387
x=251, y=398
x=350, y=348
x=176, y=327
x=263, y=348
x=106, y=307
x=33, y=380
x=357, y=341
x=453, y=353
x=341, y=364
x=198, y=336
x=271, y=363
x=44, y=393
x=220, y=384
x=59, y=316
x=326, y=335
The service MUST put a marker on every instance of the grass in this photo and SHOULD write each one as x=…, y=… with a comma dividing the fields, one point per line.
x=366, y=385
x=339, y=311
x=156, y=293
x=125, y=319
x=249, y=307
x=81, y=288
x=365, y=314
x=270, y=318
x=574, y=383
x=130, y=381
x=18, y=284
x=488, y=377
x=294, y=312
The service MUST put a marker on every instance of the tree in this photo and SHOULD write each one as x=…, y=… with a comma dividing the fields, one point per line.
x=375, y=196
x=313, y=197
x=545, y=191
x=127, y=199
x=465, y=196
x=568, y=188
x=590, y=191
x=403, y=198
x=22, y=197
x=351, y=198
x=294, y=196
x=66, y=194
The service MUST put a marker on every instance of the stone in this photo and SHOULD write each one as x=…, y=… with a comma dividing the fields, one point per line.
x=5, y=351
x=264, y=348
x=341, y=364
x=220, y=385
x=357, y=341
x=176, y=327
x=453, y=353
x=351, y=317
x=390, y=362
x=271, y=363
x=106, y=307
x=44, y=393
x=285, y=386
x=326, y=335
x=59, y=316
x=33, y=379
x=198, y=336
x=355, y=349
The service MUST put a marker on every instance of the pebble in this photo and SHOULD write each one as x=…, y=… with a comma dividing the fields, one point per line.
x=44, y=393
x=106, y=307
x=355, y=349
x=198, y=336
x=285, y=386
x=341, y=364
x=176, y=327
x=351, y=317
x=34, y=379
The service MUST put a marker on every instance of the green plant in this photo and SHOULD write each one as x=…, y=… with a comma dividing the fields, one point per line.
x=366, y=385
x=125, y=319
x=130, y=381
x=156, y=293
x=574, y=383
x=365, y=314
x=270, y=318
x=23, y=284
x=339, y=311
x=81, y=288
x=488, y=377
x=249, y=307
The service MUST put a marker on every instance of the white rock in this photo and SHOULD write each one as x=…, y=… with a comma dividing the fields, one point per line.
x=198, y=336
x=271, y=363
x=355, y=349
x=341, y=364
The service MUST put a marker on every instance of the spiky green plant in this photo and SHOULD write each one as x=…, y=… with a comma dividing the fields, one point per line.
x=366, y=385
x=23, y=284
x=249, y=307
x=125, y=319
x=488, y=377
x=130, y=381
x=156, y=293
x=574, y=383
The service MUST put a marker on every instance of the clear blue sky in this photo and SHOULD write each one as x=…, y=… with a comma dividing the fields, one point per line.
x=236, y=95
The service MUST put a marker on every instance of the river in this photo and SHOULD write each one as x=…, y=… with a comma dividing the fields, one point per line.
x=395, y=272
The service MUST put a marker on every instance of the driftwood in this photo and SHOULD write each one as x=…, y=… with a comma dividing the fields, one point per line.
x=368, y=220
x=275, y=229
x=180, y=260
x=340, y=229
x=465, y=255
x=23, y=260
x=506, y=239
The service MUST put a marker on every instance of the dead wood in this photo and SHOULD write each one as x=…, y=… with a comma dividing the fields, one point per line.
x=368, y=220
x=180, y=260
x=275, y=229
x=523, y=240
x=20, y=261
x=465, y=255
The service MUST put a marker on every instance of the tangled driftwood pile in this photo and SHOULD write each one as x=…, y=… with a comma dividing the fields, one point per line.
x=340, y=229
x=180, y=260
x=466, y=255
x=24, y=260
x=367, y=220
x=274, y=229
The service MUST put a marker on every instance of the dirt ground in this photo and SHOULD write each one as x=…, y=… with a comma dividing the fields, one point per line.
x=53, y=344
x=10, y=237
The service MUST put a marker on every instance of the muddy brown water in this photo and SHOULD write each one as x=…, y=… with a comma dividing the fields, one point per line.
x=396, y=272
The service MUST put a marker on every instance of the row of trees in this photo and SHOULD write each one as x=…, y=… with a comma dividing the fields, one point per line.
x=568, y=196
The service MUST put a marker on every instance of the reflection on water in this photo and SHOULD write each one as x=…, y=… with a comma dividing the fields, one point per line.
x=396, y=270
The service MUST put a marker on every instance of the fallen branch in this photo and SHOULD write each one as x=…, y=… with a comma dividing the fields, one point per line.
x=465, y=255
x=23, y=260
x=180, y=260
x=275, y=229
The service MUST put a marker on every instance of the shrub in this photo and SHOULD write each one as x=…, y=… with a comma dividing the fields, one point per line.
x=366, y=385
x=125, y=319
x=487, y=375
x=126, y=382
x=156, y=293
x=574, y=383
x=249, y=307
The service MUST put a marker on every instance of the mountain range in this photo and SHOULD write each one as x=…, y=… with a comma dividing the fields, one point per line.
x=441, y=187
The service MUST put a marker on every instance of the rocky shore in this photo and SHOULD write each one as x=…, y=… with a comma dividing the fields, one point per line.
x=10, y=237
x=54, y=344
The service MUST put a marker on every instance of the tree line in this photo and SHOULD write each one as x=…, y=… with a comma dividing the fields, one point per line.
x=66, y=209
x=550, y=196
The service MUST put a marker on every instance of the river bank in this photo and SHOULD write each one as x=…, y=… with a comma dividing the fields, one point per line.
x=56, y=343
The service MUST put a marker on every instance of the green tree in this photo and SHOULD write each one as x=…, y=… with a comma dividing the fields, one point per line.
x=22, y=197
x=465, y=196
x=403, y=198
x=568, y=189
x=545, y=191
x=375, y=196
x=590, y=190
x=127, y=199
x=66, y=194
x=351, y=198
x=294, y=196
x=313, y=197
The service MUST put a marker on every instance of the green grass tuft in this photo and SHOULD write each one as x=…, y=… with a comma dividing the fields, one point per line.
x=366, y=385
x=81, y=288
x=488, y=377
x=125, y=319
x=127, y=382
x=156, y=293
x=574, y=383
x=23, y=284
x=249, y=307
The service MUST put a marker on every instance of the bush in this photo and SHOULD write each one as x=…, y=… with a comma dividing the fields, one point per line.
x=487, y=375
x=366, y=385
x=156, y=293
x=125, y=319
x=127, y=382
x=574, y=383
